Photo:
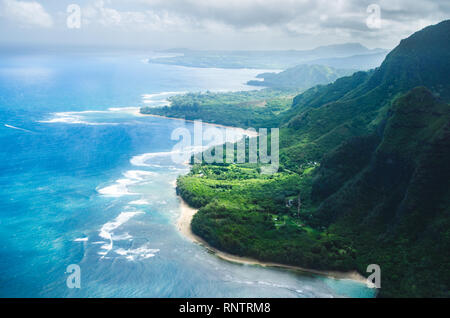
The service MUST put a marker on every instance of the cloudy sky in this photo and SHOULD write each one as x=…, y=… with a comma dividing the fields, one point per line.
x=214, y=24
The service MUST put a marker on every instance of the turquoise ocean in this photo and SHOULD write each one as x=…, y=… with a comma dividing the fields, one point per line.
x=86, y=180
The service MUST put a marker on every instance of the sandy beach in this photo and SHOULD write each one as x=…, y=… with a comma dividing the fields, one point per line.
x=184, y=226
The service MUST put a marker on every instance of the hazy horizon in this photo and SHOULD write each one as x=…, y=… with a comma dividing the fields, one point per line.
x=14, y=48
x=212, y=25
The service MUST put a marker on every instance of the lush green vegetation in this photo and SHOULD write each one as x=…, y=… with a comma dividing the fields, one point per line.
x=368, y=156
x=255, y=108
x=390, y=195
x=301, y=77
x=246, y=213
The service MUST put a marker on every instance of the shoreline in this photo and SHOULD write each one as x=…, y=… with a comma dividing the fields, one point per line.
x=243, y=130
x=184, y=227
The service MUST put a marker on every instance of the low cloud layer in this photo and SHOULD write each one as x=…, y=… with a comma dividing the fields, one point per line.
x=26, y=14
x=228, y=24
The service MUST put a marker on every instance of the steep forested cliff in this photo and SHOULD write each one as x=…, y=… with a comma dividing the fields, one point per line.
x=364, y=177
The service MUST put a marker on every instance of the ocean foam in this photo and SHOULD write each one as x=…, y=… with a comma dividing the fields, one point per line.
x=158, y=99
x=82, y=118
x=141, y=160
x=139, y=202
x=136, y=111
x=81, y=239
x=160, y=95
x=232, y=135
x=107, y=229
x=107, y=232
x=122, y=237
x=73, y=118
x=17, y=128
x=139, y=253
x=138, y=174
x=120, y=187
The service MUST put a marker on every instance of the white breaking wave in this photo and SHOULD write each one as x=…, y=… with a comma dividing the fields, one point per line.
x=107, y=229
x=81, y=239
x=98, y=242
x=107, y=232
x=160, y=95
x=128, y=110
x=122, y=237
x=142, y=252
x=232, y=135
x=139, y=202
x=120, y=187
x=138, y=174
x=159, y=99
x=82, y=117
x=141, y=160
x=73, y=118
x=18, y=128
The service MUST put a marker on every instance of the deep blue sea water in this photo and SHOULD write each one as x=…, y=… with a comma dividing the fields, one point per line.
x=76, y=190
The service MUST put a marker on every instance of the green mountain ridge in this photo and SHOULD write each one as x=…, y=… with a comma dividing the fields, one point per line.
x=327, y=115
x=300, y=77
x=399, y=196
x=368, y=157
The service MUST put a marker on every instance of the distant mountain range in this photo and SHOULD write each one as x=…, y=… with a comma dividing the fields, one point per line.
x=362, y=62
x=300, y=77
x=276, y=59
